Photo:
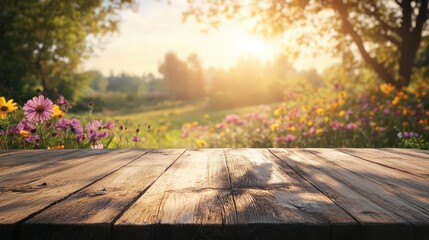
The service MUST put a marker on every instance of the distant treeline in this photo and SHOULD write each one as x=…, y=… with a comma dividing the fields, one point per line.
x=248, y=82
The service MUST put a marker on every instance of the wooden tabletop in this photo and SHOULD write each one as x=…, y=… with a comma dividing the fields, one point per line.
x=214, y=194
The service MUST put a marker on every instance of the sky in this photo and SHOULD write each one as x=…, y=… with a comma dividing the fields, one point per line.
x=156, y=28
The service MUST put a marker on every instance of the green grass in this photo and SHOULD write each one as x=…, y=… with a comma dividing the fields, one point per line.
x=166, y=123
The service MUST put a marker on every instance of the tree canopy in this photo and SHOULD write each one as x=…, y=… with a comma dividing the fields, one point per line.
x=387, y=34
x=42, y=42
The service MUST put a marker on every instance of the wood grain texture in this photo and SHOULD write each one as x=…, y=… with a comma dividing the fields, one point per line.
x=382, y=214
x=34, y=167
x=26, y=200
x=422, y=154
x=413, y=164
x=99, y=204
x=279, y=203
x=410, y=188
x=191, y=200
x=215, y=194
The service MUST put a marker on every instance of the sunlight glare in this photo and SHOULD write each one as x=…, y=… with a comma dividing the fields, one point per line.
x=257, y=47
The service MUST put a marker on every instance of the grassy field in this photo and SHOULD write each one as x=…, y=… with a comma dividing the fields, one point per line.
x=165, y=124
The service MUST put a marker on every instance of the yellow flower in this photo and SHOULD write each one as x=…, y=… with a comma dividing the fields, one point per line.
x=194, y=124
x=395, y=100
x=342, y=95
x=200, y=143
x=319, y=131
x=57, y=111
x=386, y=88
x=342, y=113
x=206, y=116
x=372, y=124
x=291, y=129
x=163, y=128
x=333, y=105
x=304, y=108
x=404, y=124
x=319, y=111
x=310, y=123
x=326, y=119
x=6, y=107
x=57, y=147
x=274, y=127
x=277, y=112
x=24, y=133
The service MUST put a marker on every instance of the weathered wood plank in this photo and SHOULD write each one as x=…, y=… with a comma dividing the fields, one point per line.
x=99, y=204
x=27, y=200
x=410, y=187
x=51, y=162
x=276, y=203
x=394, y=188
x=191, y=200
x=421, y=154
x=382, y=215
x=410, y=164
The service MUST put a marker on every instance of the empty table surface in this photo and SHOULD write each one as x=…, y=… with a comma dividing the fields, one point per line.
x=273, y=193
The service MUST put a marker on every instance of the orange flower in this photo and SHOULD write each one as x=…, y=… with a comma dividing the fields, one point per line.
x=386, y=88
x=24, y=133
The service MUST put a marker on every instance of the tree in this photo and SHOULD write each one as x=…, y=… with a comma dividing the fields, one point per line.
x=42, y=43
x=387, y=34
x=183, y=79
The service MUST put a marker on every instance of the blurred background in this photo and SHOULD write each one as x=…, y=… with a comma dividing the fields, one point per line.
x=262, y=73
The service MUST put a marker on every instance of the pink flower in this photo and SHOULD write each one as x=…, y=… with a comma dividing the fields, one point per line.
x=233, y=119
x=312, y=131
x=335, y=124
x=351, y=126
x=110, y=125
x=38, y=109
x=136, y=139
x=33, y=138
x=386, y=110
x=25, y=125
x=290, y=138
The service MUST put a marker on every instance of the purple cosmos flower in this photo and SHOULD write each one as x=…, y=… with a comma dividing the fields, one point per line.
x=104, y=134
x=63, y=103
x=410, y=134
x=12, y=130
x=62, y=124
x=136, y=139
x=110, y=125
x=33, y=138
x=76, y=127
x=38, y=109
x=25, y=125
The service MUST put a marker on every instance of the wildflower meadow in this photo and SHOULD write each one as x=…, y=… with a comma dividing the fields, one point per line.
x=379, y=117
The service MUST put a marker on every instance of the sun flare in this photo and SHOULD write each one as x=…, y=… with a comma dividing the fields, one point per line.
x=257, y=47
